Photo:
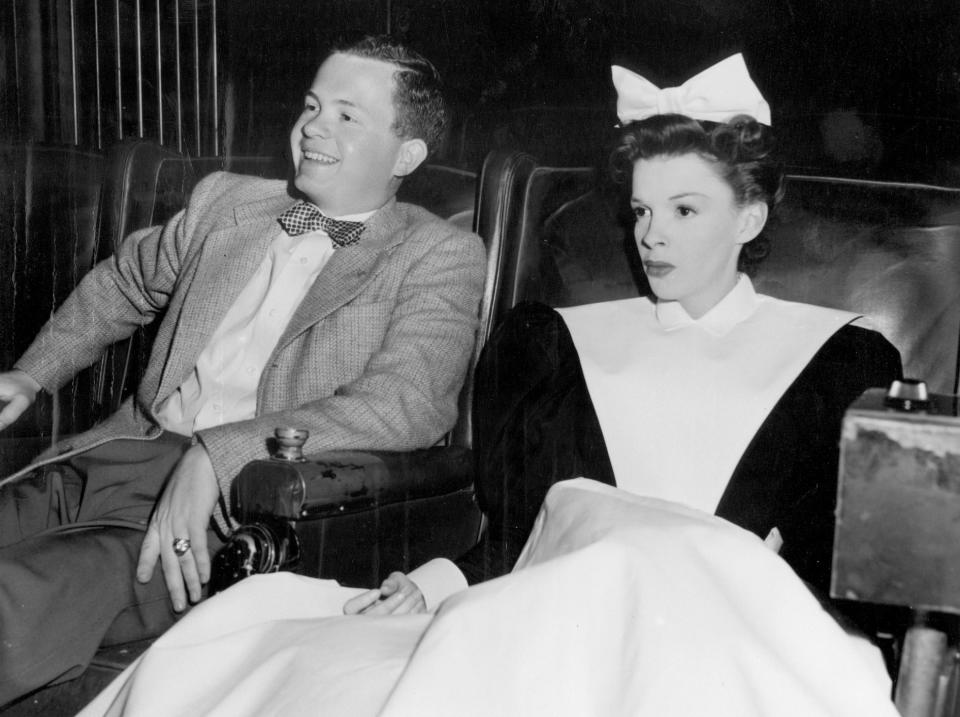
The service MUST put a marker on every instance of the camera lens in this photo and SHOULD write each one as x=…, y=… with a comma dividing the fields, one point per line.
x=254, y=549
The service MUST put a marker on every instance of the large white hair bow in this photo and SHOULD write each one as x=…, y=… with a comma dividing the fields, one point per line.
x=716, y=94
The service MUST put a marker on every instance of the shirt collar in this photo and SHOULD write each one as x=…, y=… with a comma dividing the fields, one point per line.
x=361, y=217
x=732, y=309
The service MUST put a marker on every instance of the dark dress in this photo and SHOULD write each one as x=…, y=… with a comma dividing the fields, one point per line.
x=534, y=425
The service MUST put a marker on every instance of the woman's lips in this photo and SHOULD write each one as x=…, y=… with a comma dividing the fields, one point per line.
x=658, y=269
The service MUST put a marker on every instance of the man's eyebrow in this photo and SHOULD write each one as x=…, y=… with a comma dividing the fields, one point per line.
x=310, y=94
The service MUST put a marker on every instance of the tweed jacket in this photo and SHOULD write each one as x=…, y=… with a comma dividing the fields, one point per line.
x=374, y=356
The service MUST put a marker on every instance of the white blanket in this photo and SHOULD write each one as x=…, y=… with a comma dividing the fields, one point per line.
x=619, y=605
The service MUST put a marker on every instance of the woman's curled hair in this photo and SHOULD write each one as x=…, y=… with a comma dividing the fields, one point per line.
x=741, y=149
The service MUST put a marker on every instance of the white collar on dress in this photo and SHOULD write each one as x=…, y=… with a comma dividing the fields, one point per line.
x=732, y=309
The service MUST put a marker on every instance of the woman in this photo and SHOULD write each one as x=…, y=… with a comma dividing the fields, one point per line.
x=708, y=396
x=706, y=393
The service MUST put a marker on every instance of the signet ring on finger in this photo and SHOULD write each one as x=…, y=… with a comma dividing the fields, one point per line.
x=181, y=546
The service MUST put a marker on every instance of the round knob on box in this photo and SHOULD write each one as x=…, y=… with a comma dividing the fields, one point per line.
x=290, y=443
x=910, y=394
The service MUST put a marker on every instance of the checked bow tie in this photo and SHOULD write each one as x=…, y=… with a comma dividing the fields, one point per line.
x=304, y=217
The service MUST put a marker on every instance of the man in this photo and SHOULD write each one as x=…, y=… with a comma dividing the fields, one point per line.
x=265, y=324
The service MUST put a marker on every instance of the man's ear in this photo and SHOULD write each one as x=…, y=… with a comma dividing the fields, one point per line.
x=753, y=217
x=411, y=155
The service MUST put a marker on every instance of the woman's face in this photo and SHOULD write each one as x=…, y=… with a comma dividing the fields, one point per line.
x=689, y=230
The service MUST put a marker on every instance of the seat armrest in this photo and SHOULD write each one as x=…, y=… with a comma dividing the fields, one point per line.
x=342, y=482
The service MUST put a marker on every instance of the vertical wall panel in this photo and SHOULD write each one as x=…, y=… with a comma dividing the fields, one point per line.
x=96, y=66
x=118, y=69
x=158, y=43
x=196, y=75
x=74, y=109
x=178, y=66
x=10, y=105
x=138, y=59
x=214, y=74
x=93, y=72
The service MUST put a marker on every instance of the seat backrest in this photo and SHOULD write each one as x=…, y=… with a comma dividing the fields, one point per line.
x=569, y=245
x=48, y=213
x=890, y=251
x=144, y=185
x=498, y=198
x=446, y=191
x=488, y=205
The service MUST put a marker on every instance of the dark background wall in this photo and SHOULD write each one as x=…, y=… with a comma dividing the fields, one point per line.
x=851, y=60
x=865, y=83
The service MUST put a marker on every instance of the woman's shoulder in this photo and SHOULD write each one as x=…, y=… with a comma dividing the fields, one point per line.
x=862, y=355
x=856, y=338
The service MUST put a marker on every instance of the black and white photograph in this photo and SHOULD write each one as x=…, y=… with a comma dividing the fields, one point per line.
x=414, y=358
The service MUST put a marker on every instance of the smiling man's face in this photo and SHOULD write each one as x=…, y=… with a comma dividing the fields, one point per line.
x=346, y=155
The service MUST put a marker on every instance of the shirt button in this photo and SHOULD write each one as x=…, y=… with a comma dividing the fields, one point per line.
x=303, y=260
x=251, y=370
x=273, y=312
x=215, y=407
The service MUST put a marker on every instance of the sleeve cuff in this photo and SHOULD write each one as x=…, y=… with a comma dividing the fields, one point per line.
x=438, y=579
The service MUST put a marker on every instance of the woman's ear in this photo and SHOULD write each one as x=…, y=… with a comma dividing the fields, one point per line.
x=753, y=217
x=411, y=155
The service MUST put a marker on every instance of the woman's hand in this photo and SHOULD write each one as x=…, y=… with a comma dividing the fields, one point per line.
x=398, y=595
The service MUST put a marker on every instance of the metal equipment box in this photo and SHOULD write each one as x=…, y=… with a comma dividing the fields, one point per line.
x=897, y=539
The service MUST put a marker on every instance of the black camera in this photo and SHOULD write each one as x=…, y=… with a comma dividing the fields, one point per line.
x=266, y=544
x=263, y=547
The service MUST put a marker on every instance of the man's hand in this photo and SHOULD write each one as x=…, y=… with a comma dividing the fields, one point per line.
x=183, y=511
x=398, y=595
x=19, y=390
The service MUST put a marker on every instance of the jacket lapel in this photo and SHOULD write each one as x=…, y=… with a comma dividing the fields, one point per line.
x=348, y=271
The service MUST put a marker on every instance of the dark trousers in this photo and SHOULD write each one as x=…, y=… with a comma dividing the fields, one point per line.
x=70, y=538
